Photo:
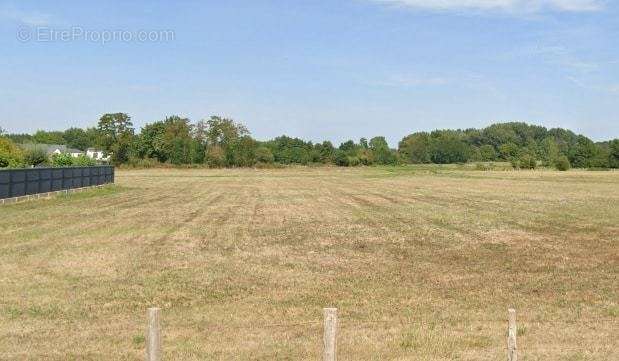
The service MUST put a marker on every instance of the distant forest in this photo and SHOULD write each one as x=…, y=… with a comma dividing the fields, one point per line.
x=221, y=142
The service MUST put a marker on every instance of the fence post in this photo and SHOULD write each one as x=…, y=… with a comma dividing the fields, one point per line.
x=512, y=349
x=10, y=195
x=330, y=334
x=153, y=336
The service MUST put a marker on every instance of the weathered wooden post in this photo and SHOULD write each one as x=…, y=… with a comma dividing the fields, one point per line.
x=153, y=336
x=512, y=349
x=330, y=334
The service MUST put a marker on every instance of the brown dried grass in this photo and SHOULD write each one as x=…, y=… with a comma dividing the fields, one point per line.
x=422, y=264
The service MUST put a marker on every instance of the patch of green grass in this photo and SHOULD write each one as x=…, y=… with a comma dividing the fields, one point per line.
x=13, y=312
x=138, y=340
x=93, y=192
x=613, y=311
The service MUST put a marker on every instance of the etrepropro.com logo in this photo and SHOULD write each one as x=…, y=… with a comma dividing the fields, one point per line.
x=47, y=34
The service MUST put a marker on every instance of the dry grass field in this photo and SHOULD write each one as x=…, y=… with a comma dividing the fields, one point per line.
x=422, y=264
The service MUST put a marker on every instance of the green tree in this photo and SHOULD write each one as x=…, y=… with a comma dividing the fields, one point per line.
x=526, y=161
x=45, y=137
x=416, y=148
x=223, y=131
x=287, y=150
x=244, y=152
x=549, y=151
x=583, y=153
x=508, y=151
x=80, y=138
x=613, y=155
x=566, y=139
x=487, y=153
x=562, y=163
x=170, y=140
x=10, y=155
x=341, y=158
x=151, y=142
x=381, y=152
x=83, y=161
x=519, y=133
x=35, y=156
x=116, y=135
x=200, y=132
x=20, y=138
x=350, y=154
x=222, y=134
x=62, y=160
x=112, y=127
x=264, y=155
x=447, y=147
x=215, y=156
x=326, y=152
x=177, y=140
x=349, y=147
x=601, y=159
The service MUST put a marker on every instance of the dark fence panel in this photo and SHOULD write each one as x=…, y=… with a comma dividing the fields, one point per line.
x=22, y=182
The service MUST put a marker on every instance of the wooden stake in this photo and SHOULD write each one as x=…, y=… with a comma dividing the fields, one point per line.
x=512, y=349
x=153, y=336
x=330, y=334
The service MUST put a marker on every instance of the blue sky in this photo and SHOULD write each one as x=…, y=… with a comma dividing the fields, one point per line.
x=315, y=69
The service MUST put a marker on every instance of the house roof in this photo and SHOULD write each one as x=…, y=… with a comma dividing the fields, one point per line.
x=50, y=148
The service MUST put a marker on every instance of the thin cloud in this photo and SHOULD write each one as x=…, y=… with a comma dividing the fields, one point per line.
x=508, y=6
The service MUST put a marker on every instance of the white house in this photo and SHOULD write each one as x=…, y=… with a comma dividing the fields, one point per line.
x=74, y=152
x=51, y=149
x=96, y=154
x=63, y=149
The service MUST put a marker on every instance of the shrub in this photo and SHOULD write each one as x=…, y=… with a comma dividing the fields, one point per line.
x=508, y=151
x=10, y=155
x=448, y=148
x=264, y=155
x=135, y=162
x=215, y=156
x=35, y=156
x=487, y=152
x=365, y=158
x=562, y=163
x=62, y=160
x=341, y=159
x=613, y=154
x=353, y=161
x=527, y=161
x=484, y=166
x=4, y=161
x=84, y=161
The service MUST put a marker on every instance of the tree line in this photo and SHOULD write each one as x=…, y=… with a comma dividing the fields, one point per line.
x=222, y=142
